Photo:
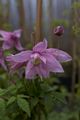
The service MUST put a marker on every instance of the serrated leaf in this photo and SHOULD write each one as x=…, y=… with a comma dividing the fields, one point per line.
x=24, y=105
x=11, y=100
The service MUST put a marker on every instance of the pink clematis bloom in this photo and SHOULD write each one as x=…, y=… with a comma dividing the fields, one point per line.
x=11, y=39
x=2, y=60
x=59, y=30
x=40, y=61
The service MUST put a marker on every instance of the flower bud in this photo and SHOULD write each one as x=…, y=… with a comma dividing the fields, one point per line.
x=59, y=30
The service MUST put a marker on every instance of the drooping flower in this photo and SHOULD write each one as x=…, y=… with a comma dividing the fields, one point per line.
x=11, y=39
x=2, y=60
x=59, y=30
x=40, y=61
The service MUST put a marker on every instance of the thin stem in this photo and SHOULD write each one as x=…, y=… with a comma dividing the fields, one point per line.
x=39, y=115
x=79, y=115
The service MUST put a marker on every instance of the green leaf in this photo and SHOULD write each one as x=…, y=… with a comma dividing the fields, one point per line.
x=12, y=89
x=24, y=105
x=2, y=92
x=11, y=100
x=23, y=96
x=34, y=102
x=2, y=106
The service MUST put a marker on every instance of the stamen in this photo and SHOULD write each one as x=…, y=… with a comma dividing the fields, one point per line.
x=36, y=61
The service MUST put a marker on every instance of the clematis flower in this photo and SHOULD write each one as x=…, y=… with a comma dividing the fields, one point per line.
x=59, y=30
x=40, y=61
x=2, y=60
x=11, y=39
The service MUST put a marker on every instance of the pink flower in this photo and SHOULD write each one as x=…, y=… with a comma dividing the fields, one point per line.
x=11, y=39
x=59, y=30
x=2, y=60
x=40, y=61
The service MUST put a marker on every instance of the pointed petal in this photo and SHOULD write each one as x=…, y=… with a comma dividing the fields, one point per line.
x=41, y=46
x=44, y=70
x=17, y=33
x=60, y=55
x=5, y=34
x=36, y=55
x=30, y=72
x=38, y=71
x=43, y=59
x=16, y=66
x=9, y=58
x=6, y=45
x=18, y=46
x=52, y=64
x=20, y=57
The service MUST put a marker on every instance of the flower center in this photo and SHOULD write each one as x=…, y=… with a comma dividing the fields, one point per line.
x=36, y=61
x=13, y=37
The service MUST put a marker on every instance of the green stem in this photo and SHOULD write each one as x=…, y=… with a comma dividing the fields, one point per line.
x=79, y=115
x=39, y=112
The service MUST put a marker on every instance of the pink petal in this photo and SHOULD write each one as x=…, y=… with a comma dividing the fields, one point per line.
x=18, y=46
x=41, y=71
x=60, y=55
x=5, y=34
x=6, y=45
x=17, y=33
x=52, y=64
x=44, y=71
x=30, y=72
x=9, y=58
x=16, y=66
x=41, y=46
x=38, y=71
x=43, y=59
x=23, y=56
x=36, y=55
